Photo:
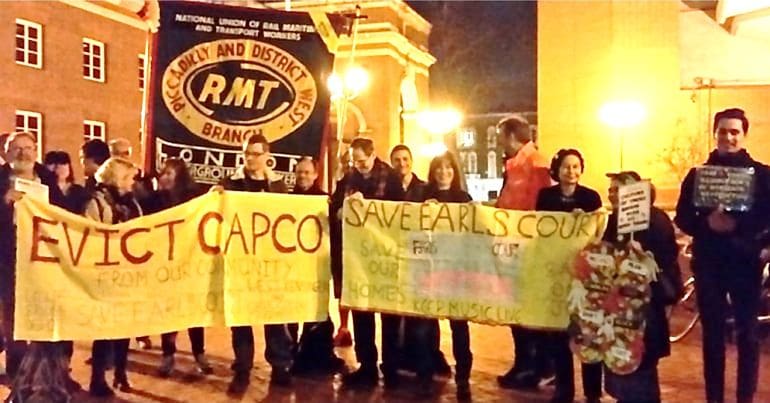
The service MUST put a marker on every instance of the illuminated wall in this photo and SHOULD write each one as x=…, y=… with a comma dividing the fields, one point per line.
x=593, y=53
x=649, y=52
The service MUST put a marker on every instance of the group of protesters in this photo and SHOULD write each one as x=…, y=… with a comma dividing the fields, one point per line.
x=728, y=249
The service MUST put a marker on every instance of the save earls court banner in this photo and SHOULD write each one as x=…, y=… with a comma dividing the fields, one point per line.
x=463, y=261
x=223, y=74
x=223, y=259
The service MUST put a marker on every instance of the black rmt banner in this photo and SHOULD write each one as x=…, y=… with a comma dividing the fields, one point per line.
x=221, y=74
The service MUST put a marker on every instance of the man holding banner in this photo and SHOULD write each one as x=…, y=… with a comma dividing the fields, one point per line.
x=256, y=176
x=371, y=178
x=315, y=352
x=526, y=173
x=21, y=152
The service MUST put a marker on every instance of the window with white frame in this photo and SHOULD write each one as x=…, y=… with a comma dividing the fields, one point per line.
x=466, y=137
x=492, y=165
x=472, y=163
x=141, y=72
x=93, y=60
x=31, y=122
x=29, y=43
x=491, y=137
x=94, y=130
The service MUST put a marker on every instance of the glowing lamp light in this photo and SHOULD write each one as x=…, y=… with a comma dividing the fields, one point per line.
x=433, y=149
x=350, y=85
x=334, y=83
x=439, y=122
x=356, y=80
x=621, y=114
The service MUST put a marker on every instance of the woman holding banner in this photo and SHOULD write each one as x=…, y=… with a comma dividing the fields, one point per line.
x=176, y=186
x=566, y=168
x=111, y=203
x=445, y=185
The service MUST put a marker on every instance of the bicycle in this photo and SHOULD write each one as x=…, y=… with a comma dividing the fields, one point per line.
x=684, y=315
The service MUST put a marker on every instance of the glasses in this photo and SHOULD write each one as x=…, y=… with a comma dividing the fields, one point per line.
x=22, y=149
x=253, y=154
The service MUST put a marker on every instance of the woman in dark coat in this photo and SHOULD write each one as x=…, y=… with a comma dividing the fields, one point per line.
x=175, y=186
x=642, y=385
x=75, y=196
x=566, y=168
x=445, y=185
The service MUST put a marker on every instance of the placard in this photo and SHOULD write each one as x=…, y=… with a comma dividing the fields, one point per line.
x=730, y=187
x=634, y=207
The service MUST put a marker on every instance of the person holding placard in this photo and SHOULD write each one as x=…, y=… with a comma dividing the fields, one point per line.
x=569, y=196
x=21, y=152
x=727, y=228
x=643, y=385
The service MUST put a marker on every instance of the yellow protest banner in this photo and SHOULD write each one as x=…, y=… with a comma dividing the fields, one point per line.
x=223, y=259
x=463, y=261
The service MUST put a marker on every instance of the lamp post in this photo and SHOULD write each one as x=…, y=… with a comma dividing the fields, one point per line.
x=620, y=115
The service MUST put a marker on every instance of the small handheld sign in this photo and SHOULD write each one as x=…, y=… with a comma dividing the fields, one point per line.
x=634, y=207
x=730, y=187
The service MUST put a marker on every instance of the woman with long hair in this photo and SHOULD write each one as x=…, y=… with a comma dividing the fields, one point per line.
x=112, y=202
x=568, y=195
x=75, y=196
x=445, y=185
x=176, y=186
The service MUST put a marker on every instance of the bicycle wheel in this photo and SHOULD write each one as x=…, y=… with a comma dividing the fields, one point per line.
x=683, y=316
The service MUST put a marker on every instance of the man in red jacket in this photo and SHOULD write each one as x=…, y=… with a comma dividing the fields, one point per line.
x=526, y=172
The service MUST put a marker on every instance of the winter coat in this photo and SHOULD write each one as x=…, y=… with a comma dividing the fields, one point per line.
x=551, y=199
x=109, y=207
x=7, y=225
x=751, y=226
x=446, y=196
x=415, y=190
x=382, y=184
x=241, y=182
x=526, y=174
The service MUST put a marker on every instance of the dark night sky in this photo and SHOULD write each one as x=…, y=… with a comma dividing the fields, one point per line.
x=486, y=53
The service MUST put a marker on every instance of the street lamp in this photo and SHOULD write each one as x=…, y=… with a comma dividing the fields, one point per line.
x=621, y=115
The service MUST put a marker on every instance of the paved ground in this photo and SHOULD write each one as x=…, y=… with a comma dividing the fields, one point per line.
x=681, y=375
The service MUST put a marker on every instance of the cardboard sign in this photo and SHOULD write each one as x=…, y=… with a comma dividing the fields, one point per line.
x=730, y=187
x=33, y=189
x=634, y=210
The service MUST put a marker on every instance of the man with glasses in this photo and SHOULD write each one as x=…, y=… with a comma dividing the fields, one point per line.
x=256, y=176
x=371, y=178
x=21, y=152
